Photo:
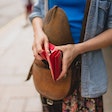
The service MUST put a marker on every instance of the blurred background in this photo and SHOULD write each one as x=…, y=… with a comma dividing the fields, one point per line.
x=16, y=36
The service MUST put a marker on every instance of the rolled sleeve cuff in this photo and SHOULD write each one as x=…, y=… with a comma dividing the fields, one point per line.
x=33, y=15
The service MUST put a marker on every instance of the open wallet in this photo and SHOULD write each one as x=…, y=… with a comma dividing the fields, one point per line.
x=54, y=60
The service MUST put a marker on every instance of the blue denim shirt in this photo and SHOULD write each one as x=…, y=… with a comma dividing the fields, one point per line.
x=94, y=74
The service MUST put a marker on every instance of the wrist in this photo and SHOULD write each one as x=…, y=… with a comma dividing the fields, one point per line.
x=37, y=26
x=81, y=48
x=39, y=34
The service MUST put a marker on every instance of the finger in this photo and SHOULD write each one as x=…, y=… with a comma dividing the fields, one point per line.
x=36, y=55
x=39, y=48
x=46, y=45
x=58, y=48
x=34, y=50
x=62, y=75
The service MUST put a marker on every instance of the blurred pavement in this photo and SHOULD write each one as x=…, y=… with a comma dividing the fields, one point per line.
x=9, y=9
x=16, y=57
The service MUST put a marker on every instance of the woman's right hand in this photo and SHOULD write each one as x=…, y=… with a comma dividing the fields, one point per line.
x=40, y=42
x=40, y=38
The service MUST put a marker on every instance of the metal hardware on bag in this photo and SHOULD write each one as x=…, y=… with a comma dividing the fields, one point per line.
x=77, y=63
x=49, y=102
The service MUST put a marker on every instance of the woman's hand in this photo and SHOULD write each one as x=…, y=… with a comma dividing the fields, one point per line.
x=40, y=42
x=70, y=52
x=40, y=38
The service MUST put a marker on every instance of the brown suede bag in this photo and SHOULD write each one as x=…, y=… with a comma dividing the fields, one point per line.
x=57, y=29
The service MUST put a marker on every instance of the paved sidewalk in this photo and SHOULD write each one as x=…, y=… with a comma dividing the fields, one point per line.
x=16, y=57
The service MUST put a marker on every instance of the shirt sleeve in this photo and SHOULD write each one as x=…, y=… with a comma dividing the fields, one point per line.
x=37, y=10
x=109, y=24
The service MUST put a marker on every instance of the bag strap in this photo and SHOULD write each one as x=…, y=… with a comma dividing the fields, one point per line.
x=85, y=20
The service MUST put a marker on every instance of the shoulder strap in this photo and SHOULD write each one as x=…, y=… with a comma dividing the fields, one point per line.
x=85, y=20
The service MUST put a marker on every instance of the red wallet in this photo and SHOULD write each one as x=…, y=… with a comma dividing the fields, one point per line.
x=54, y=59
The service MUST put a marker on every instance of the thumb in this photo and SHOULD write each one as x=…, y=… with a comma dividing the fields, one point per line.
x=58, y=48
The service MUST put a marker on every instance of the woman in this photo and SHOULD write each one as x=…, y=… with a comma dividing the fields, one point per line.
x=98, y=34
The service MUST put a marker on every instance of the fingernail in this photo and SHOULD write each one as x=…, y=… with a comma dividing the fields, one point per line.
x=57, y=79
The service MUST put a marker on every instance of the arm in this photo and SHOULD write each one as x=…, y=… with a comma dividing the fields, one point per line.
x=71, y=51
x=40, y=38
x=100, y=41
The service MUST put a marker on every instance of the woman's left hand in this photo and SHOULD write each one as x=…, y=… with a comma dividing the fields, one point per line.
x=70, y=52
